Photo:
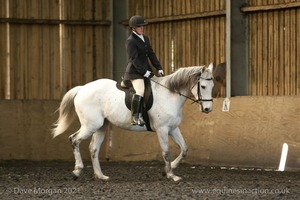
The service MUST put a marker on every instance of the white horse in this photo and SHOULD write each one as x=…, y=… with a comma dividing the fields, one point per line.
x=100, y=102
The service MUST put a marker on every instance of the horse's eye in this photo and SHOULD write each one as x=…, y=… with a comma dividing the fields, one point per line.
x=203, y=87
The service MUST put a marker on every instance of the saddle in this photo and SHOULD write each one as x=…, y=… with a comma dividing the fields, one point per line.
x=126, y=86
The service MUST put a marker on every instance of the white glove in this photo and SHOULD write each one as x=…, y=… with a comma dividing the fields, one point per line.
x=147, y=74
x=161, y=72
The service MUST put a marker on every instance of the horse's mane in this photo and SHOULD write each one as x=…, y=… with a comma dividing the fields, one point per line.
x=183, y=77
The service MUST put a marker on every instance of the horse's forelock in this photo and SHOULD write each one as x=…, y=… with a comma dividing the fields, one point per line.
x=183, y=77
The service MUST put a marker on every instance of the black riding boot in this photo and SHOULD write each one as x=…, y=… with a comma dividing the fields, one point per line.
x=136, y=105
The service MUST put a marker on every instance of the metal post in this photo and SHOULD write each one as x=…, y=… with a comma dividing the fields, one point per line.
x=112, y=39
x=226, y=102
x=120, y=34
x=238, y=48
x=62, y=48
x=7, y=79
x=228, y=49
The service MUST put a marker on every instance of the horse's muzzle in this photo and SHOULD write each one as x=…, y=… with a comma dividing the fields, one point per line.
x=206, y=110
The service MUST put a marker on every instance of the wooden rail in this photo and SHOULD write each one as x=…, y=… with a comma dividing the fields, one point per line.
x=182, y=17
x=270, y=7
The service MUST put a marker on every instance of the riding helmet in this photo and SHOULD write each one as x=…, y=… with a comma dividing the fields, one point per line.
x=136, y=21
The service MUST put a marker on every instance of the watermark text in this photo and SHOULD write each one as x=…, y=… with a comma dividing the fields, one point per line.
x=40, y=190
x=226, y=190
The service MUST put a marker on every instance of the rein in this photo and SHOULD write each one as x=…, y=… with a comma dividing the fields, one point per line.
x=199, y=100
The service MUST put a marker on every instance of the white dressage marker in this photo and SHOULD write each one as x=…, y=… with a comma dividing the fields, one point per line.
x=284, y=152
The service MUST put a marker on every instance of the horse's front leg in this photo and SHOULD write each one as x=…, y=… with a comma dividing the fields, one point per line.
x=164, y=144
x=178, y=139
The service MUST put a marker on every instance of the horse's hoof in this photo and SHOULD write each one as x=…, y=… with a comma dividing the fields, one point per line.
x=174, y=177
x=76, y=174
x=105, y=178
x=75, y=177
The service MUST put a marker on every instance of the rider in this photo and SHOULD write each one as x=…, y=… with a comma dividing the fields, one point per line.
x=139, y=50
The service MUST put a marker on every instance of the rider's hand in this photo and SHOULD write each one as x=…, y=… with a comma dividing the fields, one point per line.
x=147, y=74
x=161, y=72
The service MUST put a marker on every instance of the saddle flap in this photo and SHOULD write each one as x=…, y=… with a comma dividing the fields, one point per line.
x=126, y=84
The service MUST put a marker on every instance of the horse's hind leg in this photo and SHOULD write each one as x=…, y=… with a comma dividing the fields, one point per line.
x=75, y=139
x=178, y=139
x=95, y=146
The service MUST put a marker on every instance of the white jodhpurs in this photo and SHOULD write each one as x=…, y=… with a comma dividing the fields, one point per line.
x=139, y=86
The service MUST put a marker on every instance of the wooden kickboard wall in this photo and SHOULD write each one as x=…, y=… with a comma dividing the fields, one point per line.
x=251, y=134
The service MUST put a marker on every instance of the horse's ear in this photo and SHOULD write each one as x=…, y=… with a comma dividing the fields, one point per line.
x=211, y=67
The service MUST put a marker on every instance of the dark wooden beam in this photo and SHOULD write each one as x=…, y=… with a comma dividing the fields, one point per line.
x=55, y=21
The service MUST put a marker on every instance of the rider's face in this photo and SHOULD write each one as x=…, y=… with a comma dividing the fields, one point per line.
x=139, y=30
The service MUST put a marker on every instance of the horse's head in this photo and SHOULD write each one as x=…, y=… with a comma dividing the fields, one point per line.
x=202, y=89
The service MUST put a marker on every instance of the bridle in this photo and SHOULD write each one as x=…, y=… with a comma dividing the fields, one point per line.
x=200, y=99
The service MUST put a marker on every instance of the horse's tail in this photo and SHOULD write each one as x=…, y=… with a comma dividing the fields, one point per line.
x=67, y=112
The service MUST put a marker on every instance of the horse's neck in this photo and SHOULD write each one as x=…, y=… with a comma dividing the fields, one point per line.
x=180, y=96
